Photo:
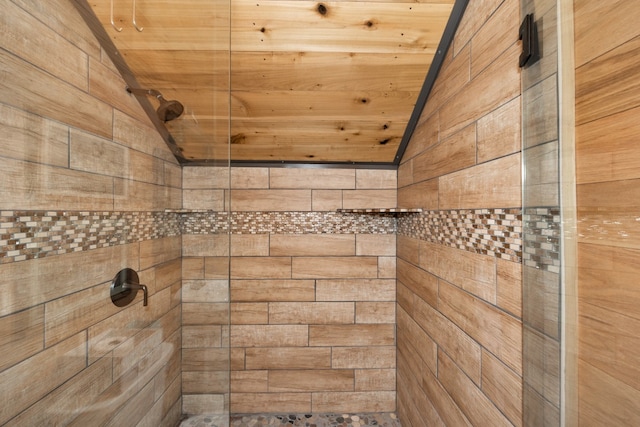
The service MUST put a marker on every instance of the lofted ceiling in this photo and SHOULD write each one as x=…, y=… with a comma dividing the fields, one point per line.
x=282, y=80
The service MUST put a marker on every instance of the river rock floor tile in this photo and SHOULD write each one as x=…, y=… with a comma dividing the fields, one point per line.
x=296, y=420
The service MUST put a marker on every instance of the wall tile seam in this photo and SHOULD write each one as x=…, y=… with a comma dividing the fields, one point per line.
x=494, y=232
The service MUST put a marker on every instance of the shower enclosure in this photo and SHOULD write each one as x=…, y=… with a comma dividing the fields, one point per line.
x=90, y=189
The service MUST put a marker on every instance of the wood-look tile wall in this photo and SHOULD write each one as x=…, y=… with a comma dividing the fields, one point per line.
x=71, y=139
x=312, y=315
x=607, y=45
x=459, y=313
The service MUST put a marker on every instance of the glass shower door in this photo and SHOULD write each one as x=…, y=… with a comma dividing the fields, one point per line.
x=87, y=182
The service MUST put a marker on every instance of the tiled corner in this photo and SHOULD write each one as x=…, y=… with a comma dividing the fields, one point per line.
x=27, y=235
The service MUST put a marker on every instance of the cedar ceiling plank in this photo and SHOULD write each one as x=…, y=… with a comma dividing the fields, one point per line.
x=203, y=148
x=179, y=69
x=318, y=152
x=167, y=14
x=324, y=103
x=351, y=125
x=255, y=135
x=312, y=138
x=327, y=71
x=336, y=26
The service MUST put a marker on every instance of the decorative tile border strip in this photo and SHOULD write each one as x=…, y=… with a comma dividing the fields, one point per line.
x=495, y=232
x=382, y=210
x=26, y=235
x=288, y=223
x=542, y=238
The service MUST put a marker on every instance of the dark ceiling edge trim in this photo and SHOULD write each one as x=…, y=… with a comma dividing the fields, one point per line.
x=445, y=43
x=94, y=24
x=288, y=164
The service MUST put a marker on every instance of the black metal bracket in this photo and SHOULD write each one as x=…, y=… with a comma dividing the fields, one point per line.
x=530, y=46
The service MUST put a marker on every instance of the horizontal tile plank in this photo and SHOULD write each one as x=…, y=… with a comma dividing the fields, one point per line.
x=351, y=335
x=312, y=245
x=356, y=290
x=311, y=380
x=272, y=290
x=334, y=267
x=371, y=357
x=302, y=178
x=261, y=268
x=315, y=313
x=269, y=335
x=373, y=401
x=270, y=402
x=271, y=200
x=288, y=358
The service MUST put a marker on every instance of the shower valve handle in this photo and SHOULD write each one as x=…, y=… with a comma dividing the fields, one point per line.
x=125, y=286
x=136, y=287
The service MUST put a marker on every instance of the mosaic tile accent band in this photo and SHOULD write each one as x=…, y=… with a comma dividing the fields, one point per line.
x=28, y=235
x=288, y=223
x=542, y=238
x=495, y=232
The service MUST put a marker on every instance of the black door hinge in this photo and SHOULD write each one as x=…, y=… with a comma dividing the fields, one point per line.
x=529, y=36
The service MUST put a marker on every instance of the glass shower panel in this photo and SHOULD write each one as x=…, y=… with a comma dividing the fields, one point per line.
x=204, y=134
x=90, y=188
x=541, y=218
x=85, y=188
x=542, y=225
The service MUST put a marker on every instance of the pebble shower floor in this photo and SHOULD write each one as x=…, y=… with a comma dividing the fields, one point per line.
x=298, y=420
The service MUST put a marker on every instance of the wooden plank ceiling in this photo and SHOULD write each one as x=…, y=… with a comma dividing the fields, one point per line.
x=292, y=81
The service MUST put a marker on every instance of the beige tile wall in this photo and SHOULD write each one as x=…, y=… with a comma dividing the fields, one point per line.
x=312, y=315
x=71, y=139
x=459, y=312
x=608, y=175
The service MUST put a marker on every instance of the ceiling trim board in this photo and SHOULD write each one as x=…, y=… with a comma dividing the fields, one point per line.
x=316, y=165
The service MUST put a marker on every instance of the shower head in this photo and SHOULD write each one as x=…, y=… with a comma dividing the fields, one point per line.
x=167, y=110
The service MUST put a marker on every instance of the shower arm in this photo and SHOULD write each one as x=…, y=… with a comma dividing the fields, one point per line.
x=151, y=92
x=168, y=110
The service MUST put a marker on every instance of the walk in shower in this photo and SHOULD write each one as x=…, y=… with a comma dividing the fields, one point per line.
x=123, y=270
